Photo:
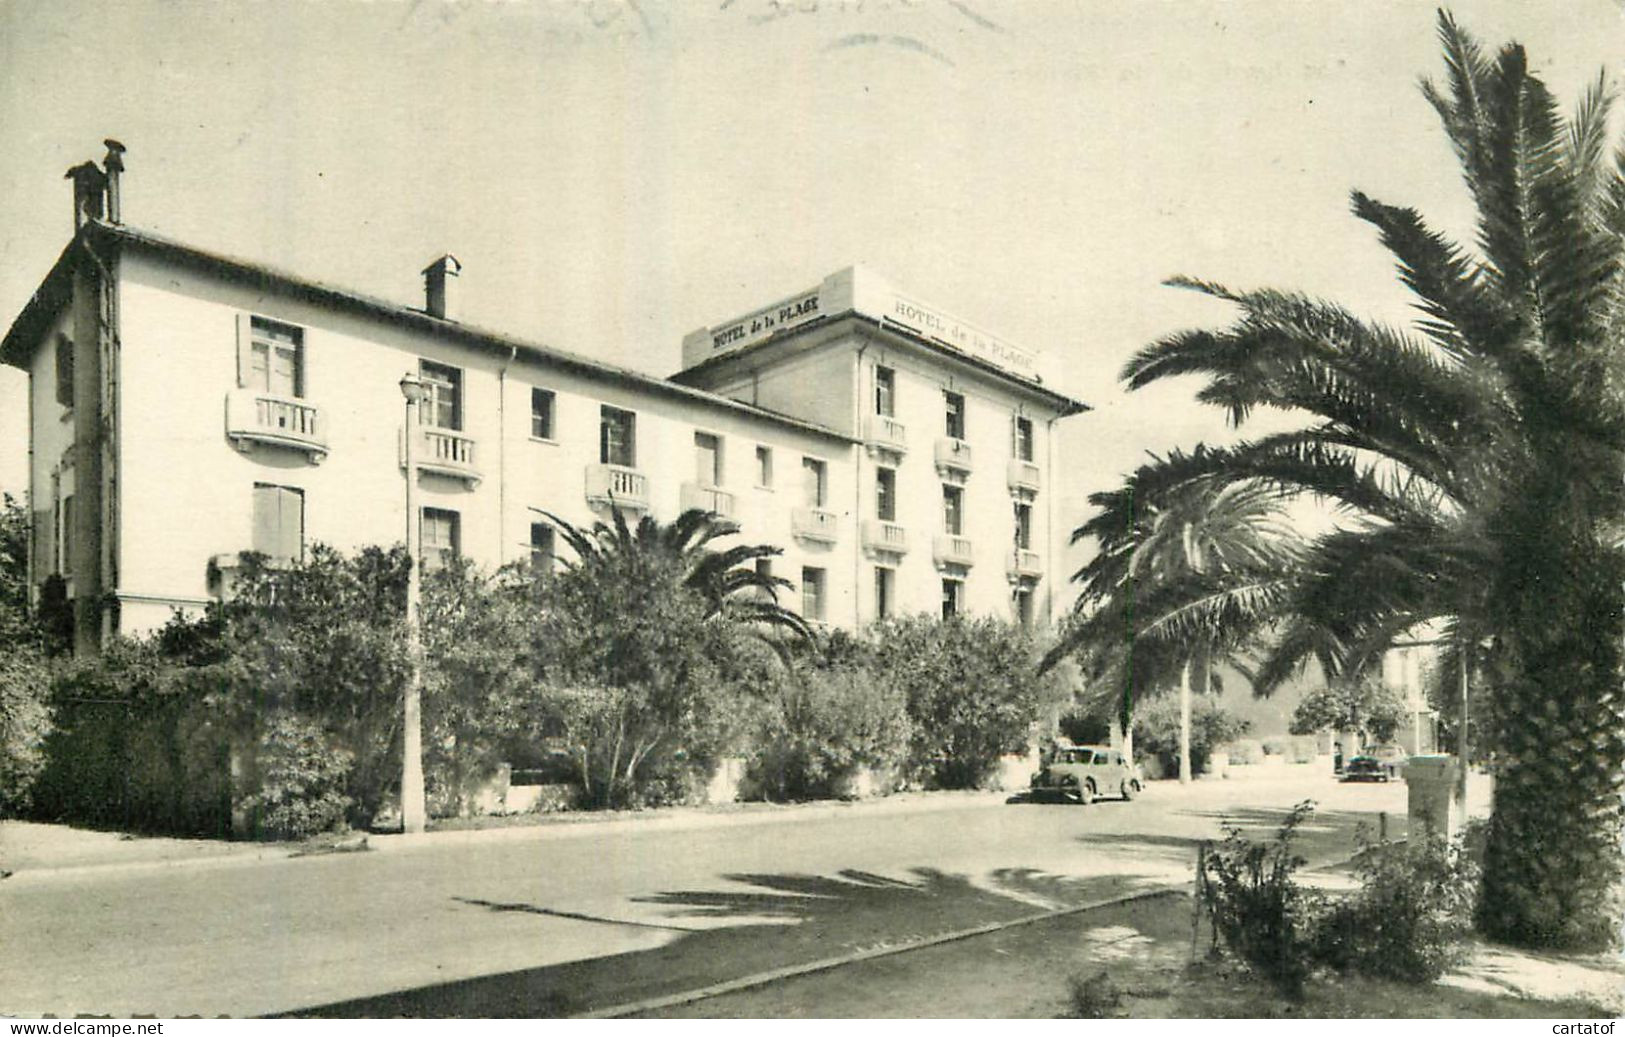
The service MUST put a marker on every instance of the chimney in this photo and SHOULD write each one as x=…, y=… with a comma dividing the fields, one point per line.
x=89, y=189
x=440, y=287
x=114, y=164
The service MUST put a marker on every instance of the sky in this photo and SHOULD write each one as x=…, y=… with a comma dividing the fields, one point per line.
x=615, y=173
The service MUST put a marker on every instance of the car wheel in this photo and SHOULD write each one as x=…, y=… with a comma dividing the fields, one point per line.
x=1086, y=793
x=1130, y=789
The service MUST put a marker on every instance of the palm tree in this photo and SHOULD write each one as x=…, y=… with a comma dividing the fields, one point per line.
x=1184, y=576
x=1479, y=462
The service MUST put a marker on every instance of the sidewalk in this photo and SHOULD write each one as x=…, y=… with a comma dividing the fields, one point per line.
x=1143, y=959
x=32, y=851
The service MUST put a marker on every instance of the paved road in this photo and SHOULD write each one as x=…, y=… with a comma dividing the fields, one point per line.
x=579, y=917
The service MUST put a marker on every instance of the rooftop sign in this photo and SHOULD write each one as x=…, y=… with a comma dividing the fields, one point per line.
x=859, y=291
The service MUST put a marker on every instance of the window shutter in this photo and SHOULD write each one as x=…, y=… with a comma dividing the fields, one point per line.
x=292, y=525
x=245, y=346
x=44, y=544
x=267, y=520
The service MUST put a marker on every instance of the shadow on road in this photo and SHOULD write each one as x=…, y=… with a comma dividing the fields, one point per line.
x=810, y=917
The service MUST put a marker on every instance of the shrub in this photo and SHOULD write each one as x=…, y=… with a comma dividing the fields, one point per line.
x=1085, y=728
x=25, y=723
x=1263, y=917
x=824, y=726
x=1245, y=751
x=1156, y=731
x=973, y=692
x=1410, y=917
x=301, y=777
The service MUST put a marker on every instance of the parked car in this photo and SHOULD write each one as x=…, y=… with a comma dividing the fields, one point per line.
x=1392, y=757
x=1083, y=772
x=1366, y=768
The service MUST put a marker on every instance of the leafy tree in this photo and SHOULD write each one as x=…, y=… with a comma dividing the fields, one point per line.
x=1158, y=727
x=25, y=715
x=973, y=690
x=1479, y=463
x=1363, y=703
x=646, y=637
x=478, y=676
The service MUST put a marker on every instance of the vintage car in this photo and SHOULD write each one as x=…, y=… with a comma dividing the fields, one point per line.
x=1365, y=768
x=1083, y=772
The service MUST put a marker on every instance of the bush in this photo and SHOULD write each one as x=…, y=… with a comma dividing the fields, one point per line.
x=1156, y=731
x=301, y=777
x=1410, y=917
x=1263, y=917
x=1085, y=728
x=823, y=727
x=973, y=693
x=25, y=723
x=1094, y=996
x=1245, y=751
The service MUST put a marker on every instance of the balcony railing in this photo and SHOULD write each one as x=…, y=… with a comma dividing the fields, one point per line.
x=813, y=524
x=256, y=418
x=880, y=535
x=953, y=455
x=614, y=484
x=713, y=499
x=1024, y=475
x=886, y=433
x=952, y=549
x=444, y=452
x=1024, y=562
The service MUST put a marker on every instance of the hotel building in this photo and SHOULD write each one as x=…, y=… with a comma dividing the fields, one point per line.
x=185, y=407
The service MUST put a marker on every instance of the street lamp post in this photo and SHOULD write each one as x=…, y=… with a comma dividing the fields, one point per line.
x=412, y=807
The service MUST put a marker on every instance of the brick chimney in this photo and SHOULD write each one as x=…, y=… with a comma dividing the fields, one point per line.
x=440, y=288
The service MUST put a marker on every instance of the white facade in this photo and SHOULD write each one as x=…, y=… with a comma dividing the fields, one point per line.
x=238, y=408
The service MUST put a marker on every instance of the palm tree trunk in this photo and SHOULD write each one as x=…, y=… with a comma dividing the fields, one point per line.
x=1185, y=724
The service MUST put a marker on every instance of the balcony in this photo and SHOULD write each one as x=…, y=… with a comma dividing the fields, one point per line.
x=952, y=549
x=1026, y=564
x=886, y=434
x=879, y=535
x=953, y=456
x=813, y=524
x=613, y=484
x=255, y=418
x=710, y=499
x=1025, y=477
x=440, y=451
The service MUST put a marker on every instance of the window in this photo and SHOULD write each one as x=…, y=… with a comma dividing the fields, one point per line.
x=707, y=459
x=764, y=467
x=617, y=437
x=438, y=538
x=1022, y=600
x=885, y=391
x=814, y=481
x=64, y=370
x=1024, y=439
x=275, y=358
x=279, y=522
x=950, y=598
x=812, y=594
x=541, y=414
x=886, y=494
x=885, y=583
x=955, y=405
x=953, y=509
x=541, y=547
x=442, y=405
x=1024, y=526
